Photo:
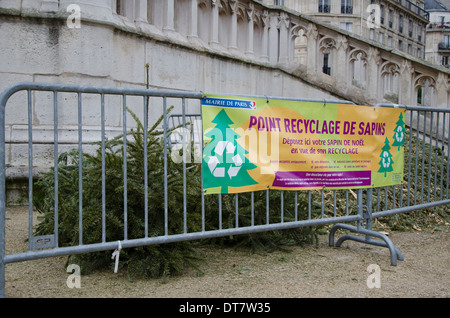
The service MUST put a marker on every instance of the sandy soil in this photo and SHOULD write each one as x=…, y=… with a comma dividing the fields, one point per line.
x=303, y=273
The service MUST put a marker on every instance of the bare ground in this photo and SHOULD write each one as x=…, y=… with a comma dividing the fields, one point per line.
x=305, y=272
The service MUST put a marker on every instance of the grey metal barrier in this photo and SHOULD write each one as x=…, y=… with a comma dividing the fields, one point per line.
x=426, y=184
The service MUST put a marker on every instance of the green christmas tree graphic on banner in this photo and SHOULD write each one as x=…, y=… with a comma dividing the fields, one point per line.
x=399, y=132
x=386, y=161
x=224, y=162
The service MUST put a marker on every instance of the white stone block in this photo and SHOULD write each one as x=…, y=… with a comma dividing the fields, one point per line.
x=10, y=4
x=37, y=44
x=87, y=50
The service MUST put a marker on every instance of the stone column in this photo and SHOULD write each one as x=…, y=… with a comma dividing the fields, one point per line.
x=141, y=11
x=373, y=62
x=250, y=28
x=169, y=16
x=129, y=9
x=265, y=38
x=441, y=90
x=283, y=26
x=232, y=44
x=312, y=50
x=214, y=24
x=273, y=39
x=193, y=20
x=341, y=63
x=406, y=93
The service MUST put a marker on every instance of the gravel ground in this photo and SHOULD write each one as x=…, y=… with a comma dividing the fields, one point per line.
x=306, y=272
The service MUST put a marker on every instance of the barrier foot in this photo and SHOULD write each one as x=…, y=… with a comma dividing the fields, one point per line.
x=386, y=242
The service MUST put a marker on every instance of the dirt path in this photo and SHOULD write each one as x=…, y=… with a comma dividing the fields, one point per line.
x=305, y=272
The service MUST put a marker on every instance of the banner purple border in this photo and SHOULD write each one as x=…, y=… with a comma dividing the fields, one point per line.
x=306, y=179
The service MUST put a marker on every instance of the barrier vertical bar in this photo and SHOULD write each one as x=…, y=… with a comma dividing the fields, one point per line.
x=346, y=202
x=436, y=155
x=409, y=156
x=145, y=105
x=201, y=173
x=102, y=110
x=429, y=158
x=334, y=202
x=416, y=159
x=296, y=207
x=80, y=171
x=30, y=171
x=423, y=154
x=183, y=110
x=253, y=208
x=322, y=204
x=394, y=196
x=220, y=210
x=378, y=199
x=386, y=198
x=125, y=176
x=448, y=157
x=443, y=156
x=2, y=231
x=369, y=211
x=360, y=207
x=203, y=207
x=55, y=153
x=236, y=210
x=2, y=196
x=166, y=199
x=309, y=204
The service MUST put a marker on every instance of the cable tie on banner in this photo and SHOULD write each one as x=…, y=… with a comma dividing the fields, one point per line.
x=116, y=255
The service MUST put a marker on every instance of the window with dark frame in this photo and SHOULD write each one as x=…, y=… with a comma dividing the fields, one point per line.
x=400, y=24
x=391, y=18
x=324, y=6
x=118, y=7
x=326, y=60
x=347, y=6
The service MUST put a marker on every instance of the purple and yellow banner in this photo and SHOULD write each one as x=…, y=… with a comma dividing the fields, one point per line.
x=256, y=144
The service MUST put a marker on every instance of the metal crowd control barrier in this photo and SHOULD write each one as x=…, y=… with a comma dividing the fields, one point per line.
x=421, y=189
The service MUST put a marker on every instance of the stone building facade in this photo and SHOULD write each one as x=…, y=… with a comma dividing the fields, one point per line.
x=398, y=24
x=438, y=33
x=117, y=38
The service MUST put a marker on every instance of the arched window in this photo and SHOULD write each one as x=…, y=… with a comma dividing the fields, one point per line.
x=224, y=24
x=203, y=17
x=242, y=30
x=155, y=13
x=299, y=40
x=390, y=81
x=358, y=65
x=327, y=48
x=425, y=90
